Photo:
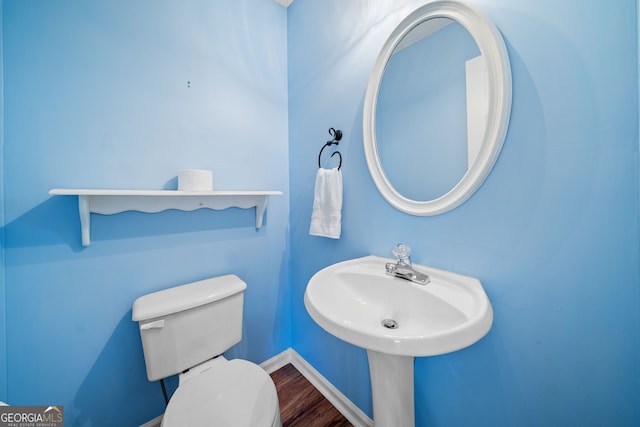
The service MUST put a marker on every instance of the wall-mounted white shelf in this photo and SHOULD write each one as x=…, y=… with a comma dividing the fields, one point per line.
x=109, y=202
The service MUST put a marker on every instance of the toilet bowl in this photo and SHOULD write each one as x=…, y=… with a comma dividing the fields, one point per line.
x=184, y=330
x=230, y=393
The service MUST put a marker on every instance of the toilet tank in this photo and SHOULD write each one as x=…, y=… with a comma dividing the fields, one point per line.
x=183, y=326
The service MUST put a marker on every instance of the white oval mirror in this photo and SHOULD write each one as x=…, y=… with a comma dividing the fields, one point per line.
x=435, y=117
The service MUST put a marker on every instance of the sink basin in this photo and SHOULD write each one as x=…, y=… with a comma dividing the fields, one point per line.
x=354, y=300
x=396, y=320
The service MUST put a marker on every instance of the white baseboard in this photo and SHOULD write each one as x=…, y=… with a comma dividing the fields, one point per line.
x=278, y=361
x=350, y=411
x=156, y=422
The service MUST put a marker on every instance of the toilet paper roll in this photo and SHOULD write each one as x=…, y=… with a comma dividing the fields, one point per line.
x=195, y=180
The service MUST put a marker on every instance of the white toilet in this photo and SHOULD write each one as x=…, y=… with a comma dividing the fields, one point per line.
x=184, y=331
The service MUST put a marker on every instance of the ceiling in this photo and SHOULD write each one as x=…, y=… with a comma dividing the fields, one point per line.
x=285, y=3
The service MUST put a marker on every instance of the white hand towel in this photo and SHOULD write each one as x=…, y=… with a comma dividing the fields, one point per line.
x=326, y=218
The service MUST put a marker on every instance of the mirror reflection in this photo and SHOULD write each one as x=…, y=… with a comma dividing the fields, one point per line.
x=432, y=109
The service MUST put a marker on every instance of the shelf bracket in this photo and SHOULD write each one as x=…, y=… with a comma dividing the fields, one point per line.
x=85, y=219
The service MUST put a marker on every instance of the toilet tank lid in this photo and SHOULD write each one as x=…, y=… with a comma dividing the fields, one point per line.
x=184, y=297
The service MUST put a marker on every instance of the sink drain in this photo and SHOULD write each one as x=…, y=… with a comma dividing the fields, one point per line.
x=390, y=324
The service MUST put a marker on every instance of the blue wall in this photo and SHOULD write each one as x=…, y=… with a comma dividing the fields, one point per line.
x=122, y=94
x=3, y=331
x=552, y=234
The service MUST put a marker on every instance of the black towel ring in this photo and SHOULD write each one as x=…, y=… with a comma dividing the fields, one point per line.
x=337, y=136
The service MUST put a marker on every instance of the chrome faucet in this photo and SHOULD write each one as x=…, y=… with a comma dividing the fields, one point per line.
x=403, y=268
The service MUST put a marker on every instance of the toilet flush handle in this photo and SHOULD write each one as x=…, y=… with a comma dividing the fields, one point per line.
x=156, y=324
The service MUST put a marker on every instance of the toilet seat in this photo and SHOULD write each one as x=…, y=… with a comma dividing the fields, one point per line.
x=236, y=393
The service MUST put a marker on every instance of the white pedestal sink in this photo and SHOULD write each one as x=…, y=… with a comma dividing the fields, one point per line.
x=396, y=320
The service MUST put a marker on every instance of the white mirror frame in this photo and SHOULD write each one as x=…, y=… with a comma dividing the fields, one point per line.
x=493, y=49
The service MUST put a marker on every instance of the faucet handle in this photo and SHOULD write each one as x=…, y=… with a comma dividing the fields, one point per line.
x=402, y=252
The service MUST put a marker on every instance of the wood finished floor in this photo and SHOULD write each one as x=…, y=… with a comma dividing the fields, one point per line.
x=301, y=404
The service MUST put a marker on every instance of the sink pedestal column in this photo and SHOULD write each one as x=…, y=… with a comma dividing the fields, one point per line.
x=392, y=389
